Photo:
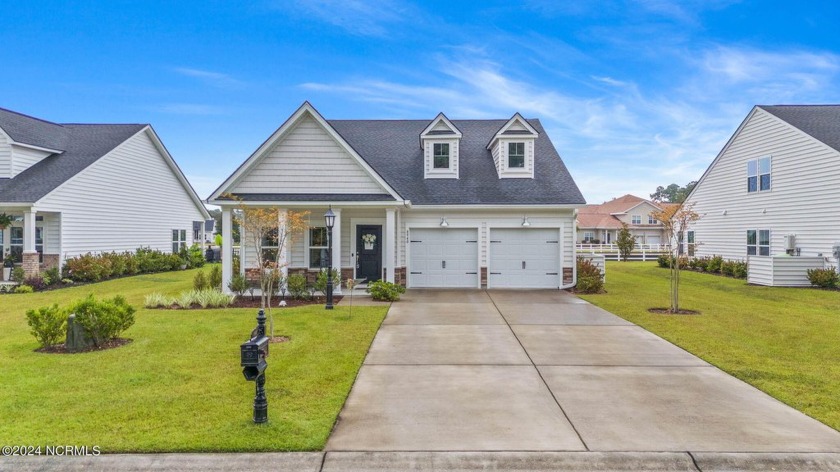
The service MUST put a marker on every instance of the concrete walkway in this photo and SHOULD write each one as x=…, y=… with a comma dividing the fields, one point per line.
x=547, y=371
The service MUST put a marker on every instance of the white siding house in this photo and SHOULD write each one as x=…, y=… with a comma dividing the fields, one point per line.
x=437, y=216
x=73, y=189
x=774, y=188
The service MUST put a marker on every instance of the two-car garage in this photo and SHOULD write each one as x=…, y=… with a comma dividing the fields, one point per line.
x=516, y=258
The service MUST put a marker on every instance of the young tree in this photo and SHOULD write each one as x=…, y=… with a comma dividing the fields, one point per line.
x=675, y=219
x=268, y=232
x=626, y=242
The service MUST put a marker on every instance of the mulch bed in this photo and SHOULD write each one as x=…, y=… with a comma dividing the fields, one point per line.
x=246, y=301
x=62, y=349
x=279, y=339
x=667, y=311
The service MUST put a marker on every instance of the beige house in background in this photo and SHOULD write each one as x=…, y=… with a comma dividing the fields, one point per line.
x=600, y=224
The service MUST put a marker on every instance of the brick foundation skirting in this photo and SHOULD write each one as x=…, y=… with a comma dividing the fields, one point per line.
x=568, y=275
x=483, y=277
x=50, y=261
x=399, y=276
x=31, y=265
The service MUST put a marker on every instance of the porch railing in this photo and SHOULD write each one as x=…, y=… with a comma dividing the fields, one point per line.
x=642, y=252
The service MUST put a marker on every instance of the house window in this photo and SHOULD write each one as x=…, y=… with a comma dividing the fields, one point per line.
x=179, y=240
x=636, y=219
x=758, y=242
x=758, y=174
x=2, y=246
x=16, y=243
x=268, y=245
x=441, y=156
x=516, y=155
x=652, y=220
x=689, y=242
x=588, y=236
x=317, y=247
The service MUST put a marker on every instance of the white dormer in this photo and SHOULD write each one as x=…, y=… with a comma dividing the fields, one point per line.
x=17, y=157
x=513, y=149
x=440, y=143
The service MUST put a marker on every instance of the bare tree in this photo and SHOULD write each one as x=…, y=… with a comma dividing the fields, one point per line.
x=675, y=219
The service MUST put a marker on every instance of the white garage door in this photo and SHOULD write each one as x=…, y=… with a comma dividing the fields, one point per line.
x=524, y=258
x=443, y=258
x=651, y=239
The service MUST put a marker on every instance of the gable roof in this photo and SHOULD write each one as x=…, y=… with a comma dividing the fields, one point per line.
x=819, y=121
x=25, y=129
x=390, y=148
x=603, y=216
x=505, y=130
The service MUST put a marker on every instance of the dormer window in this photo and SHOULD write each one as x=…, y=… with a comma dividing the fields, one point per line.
x=516, y=155
x=439, y=142
x=441, y=156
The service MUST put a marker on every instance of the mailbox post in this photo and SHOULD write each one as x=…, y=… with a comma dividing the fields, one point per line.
x=253, y=355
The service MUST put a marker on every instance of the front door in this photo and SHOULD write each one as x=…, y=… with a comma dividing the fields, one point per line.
x=369, y=252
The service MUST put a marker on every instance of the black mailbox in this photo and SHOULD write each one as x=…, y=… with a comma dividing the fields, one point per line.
x=254, y=352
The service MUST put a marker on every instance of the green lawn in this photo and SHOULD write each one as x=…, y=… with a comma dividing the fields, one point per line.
x=785, y=341
x=178, y=386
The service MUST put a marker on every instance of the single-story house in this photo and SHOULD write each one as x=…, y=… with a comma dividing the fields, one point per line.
x=422, y=203
x=76, y=188
x=600, y=224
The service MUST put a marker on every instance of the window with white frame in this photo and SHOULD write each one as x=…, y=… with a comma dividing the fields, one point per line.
x=636, y=219
x=2, y=246
x=758, y=242
x=16, y=243
x=652, y=220
x=179, y=240
x=317, y=247
x=588, y=236
x=758, y=174
x=440, y=157
x=689, y=242
x=269, y=245
x=516, y=155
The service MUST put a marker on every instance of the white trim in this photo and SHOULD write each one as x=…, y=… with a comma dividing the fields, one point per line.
x=287, y=204
x=287, y=126
x=354, y=222
x=499, y=207
x=454, y=225
x=36, y=148
x=440, y=117
x=516, y=117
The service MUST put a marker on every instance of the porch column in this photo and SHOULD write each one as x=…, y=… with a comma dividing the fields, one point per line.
x=336, y=247
x=390, y=243
x=283, y=257
x=227, y=248
x=31, y=265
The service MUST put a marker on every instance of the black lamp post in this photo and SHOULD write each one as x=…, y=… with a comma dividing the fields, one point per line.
x=329, y=218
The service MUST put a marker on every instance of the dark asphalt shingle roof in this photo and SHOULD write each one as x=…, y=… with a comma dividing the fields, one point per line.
x=820, y=121
x=390, y=147
x=82, y=145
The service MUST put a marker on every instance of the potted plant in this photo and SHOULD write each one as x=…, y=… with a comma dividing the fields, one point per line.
x=5, y=221
x=8, y=265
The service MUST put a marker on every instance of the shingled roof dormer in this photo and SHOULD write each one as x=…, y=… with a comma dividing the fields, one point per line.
x=512, y=148
x=440, y=143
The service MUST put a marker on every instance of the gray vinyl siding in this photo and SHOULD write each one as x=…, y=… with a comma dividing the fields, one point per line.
x=307, y=160
x=129, y=198
x=805, y=189
x=5, y=156
x=782, y=271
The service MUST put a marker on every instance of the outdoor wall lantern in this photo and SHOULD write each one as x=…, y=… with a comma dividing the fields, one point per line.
x=525, y=221
x=443, y=222
x=329, y=220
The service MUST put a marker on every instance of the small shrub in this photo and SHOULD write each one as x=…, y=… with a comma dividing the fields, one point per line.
x=740, y=270
x=727, y=268
x=36, y=282
x=186, y=299
x=701, y=263
x=67, y=281
x=200, y=281
x=824, y=278
x=157, y=300
x=196, y=256
x=664, y=261
x=52, y=276
x=714, y=264
x=297, y=286
x=238, y=284
x=18, y=274
x=589, y=278
x=103, y=320
x=215, y=278
x=385, y=291
x=212, y=298
x=321, y=281
x=24, y=289
x=49, y=324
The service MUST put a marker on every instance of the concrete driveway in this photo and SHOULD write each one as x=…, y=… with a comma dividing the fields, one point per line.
x=454, y=370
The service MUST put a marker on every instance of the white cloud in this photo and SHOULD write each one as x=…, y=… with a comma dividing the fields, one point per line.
x=216, y=79
x=358, y=17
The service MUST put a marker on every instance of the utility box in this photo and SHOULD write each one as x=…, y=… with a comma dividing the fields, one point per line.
x=836, y=251
x=790, y=243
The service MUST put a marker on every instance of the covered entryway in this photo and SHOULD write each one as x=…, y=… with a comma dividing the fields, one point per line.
x=524, y=258
x=443, y=258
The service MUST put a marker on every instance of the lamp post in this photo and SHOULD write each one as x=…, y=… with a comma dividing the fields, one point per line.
x=329, y=219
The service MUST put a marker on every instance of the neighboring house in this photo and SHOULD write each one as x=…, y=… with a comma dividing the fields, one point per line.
x=774, y=188
x=446, y=203
x=600, y=224
x=78, y=188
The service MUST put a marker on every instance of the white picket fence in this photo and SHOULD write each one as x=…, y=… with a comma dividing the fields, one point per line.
x=642, y=252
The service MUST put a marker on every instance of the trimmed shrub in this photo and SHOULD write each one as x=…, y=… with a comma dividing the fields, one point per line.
x=52, y=276
x=103, y=320
x=18, y=274
x=384, y=291
x=664, y=261
x=824, y=278
x=714, y=264
x=195, y=256
x=297, y=286
x=238, y=284
x=740, y=270
x=48, y=323
x=24, y=289
x=589, y=278
x=321, y=281
x=36, y=282
x=215, y=278
x=200, y=281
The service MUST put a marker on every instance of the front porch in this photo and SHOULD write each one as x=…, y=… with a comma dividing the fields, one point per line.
x=31, y=239
x=364, y=244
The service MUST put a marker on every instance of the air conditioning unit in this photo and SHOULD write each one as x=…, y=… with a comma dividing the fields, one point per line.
x=836, y=251
x=790, y=243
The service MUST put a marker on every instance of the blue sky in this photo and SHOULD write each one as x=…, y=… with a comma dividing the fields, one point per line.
x=634, y=94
